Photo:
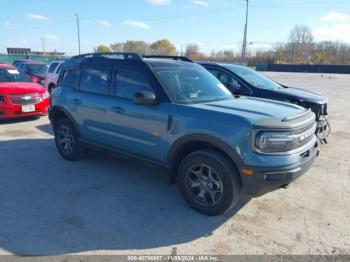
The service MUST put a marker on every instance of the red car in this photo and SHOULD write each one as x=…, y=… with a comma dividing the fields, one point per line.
x=19, y=95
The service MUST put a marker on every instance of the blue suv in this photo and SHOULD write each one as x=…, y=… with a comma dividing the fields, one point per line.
x=174, y=114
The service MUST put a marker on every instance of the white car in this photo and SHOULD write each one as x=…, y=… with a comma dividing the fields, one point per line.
x=52, y=74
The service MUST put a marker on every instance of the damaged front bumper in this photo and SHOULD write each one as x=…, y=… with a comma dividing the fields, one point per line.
x=323, y=129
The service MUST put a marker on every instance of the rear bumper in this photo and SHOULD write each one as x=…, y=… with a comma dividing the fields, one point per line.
x=267, y=179
x=8, y=111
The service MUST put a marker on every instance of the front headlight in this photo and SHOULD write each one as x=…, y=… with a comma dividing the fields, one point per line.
x=273, y=142
x=279, y=142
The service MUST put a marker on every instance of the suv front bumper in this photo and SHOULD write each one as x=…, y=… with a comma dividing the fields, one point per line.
x=267, y=179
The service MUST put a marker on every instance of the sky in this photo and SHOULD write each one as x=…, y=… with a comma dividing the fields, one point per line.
x=212, y=24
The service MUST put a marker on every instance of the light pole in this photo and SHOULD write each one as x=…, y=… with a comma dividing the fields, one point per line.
x=78, y=27
x=244, y=47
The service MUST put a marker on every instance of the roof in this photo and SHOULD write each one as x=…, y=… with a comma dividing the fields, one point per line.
x=30, y=62
x=167, y=63
x=154, y=61
x=6, y=66
x=219, y=64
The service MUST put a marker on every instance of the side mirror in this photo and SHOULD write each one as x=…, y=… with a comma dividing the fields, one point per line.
x=145, y=98
x=35, y=79
x=232, y=87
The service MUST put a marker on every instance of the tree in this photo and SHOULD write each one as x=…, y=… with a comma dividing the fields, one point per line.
x=163, y=47
x=192, y=51
x=117, y=47
x=300, y=44
x=301, y=34
x=103, y=49
x=139, y=47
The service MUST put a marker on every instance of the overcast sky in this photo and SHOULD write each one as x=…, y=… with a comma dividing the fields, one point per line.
x=213, y=24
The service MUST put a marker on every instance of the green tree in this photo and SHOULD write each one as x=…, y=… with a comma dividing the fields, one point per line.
x=103, y=49
x=163, y=47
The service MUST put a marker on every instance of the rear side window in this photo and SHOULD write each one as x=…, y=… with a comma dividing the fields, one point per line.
x=70, y=78
x=95, y=80
x=129, y=82
x=52, y=67
x=59, y=69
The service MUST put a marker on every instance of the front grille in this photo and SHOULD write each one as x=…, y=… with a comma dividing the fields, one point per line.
x=303, y=129
x=303, y=135
x=25, y=99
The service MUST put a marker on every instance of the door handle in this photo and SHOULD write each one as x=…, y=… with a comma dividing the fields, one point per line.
x=76, y=101
x=118, y=110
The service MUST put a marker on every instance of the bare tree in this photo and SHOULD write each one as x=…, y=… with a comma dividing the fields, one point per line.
x=192, y=51
x=300, y=44
x=301, y=34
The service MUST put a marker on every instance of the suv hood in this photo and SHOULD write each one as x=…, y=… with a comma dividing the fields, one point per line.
x=255, y=108
x=302, y=94
x=14, y=88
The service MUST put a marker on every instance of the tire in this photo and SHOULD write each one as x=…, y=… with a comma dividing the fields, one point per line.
x=67, y=141
x=208, y=194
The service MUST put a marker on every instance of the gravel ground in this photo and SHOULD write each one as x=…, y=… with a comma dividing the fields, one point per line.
x=105, y=205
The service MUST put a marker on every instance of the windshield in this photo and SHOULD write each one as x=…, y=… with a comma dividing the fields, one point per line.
x=37, y=69
x=12, y=75
x=192, y=85
x=253, y=78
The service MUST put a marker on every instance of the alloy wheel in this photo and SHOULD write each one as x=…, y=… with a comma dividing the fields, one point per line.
x=204, y=185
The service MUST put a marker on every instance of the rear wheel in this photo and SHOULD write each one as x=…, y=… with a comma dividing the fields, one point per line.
x=66, y=140
x=209, y=182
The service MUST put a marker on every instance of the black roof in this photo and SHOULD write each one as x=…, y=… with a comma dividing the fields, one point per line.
x=219, y=64
x=154, y=61
x=29, y=62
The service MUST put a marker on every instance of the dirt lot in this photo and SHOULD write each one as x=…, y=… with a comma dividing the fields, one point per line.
x=104, y=205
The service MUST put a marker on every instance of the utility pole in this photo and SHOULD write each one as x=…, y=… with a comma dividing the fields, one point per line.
x=78, y=27
x=244, y=47
x=43, y=44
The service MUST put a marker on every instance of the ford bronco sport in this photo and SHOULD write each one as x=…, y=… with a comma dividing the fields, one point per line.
x=175, y=114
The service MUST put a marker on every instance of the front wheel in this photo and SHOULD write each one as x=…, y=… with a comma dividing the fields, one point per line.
x=66, y=140
x=209, y=182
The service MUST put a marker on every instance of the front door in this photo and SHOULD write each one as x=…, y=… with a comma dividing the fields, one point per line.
x=137, y=129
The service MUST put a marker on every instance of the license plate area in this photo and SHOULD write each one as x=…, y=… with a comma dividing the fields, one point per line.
x=28, y=108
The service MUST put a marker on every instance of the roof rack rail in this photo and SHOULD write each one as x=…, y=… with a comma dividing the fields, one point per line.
x=116, y=55
x=180, y=58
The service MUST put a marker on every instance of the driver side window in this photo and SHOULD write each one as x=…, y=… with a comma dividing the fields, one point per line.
x=129, y=82
x=231, y=83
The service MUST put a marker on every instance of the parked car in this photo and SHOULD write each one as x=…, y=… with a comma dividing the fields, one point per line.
x=52, y=74
x=19, y=95
x=241, y=80
x=36, y=70
x=176, y=115
x=16, y=62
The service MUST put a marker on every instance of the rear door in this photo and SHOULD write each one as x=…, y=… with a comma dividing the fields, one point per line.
x=93, y=102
